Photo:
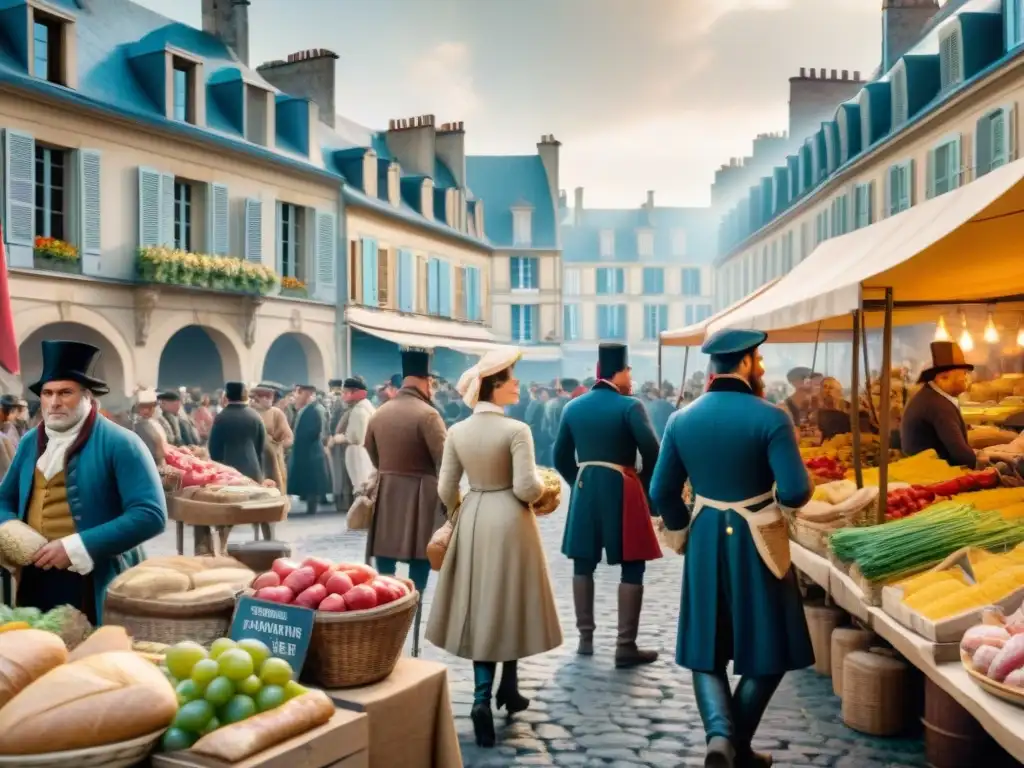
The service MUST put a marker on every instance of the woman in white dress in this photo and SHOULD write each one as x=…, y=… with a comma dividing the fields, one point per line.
x=494, y=601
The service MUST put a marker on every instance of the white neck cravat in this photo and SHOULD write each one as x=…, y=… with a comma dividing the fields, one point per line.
x=52, y=460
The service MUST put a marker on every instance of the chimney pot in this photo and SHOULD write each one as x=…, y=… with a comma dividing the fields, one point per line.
x=846, y=74
x=813, y=74
x=856, y=74
x=803, y=71
x=835, y=75
x=650, y=198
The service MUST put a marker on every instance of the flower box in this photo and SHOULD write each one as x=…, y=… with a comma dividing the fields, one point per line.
x=295, y=293
x=55, y=255
x=157, y=264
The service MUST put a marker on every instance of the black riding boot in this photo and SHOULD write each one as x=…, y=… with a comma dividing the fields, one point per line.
x=508, y=690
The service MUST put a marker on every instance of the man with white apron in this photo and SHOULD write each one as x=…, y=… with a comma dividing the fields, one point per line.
x=740, y=600
x=600, y=436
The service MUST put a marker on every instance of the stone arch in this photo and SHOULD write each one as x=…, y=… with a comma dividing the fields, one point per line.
x=198, y=356
x=225, y=339
x=76, y=323
x=284, y=350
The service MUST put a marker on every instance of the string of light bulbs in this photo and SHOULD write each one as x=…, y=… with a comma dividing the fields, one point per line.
x=966, y=340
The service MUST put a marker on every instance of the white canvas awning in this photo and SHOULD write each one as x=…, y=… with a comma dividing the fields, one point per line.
x=694, y=335
x=426, y=332
x=961, y=247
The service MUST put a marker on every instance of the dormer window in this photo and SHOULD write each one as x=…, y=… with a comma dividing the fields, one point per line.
x=184, y=77
x=257, y=108
x=951, y=62
x=522, y=226
x=607, y=243
x=898, y=91
x=645, y=243
x=52, y=37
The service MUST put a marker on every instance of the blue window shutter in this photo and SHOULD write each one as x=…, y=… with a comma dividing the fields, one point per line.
x=150, y=222
x=279, y=240
x=218, y=239
x=433, y=285
x=19, y=204
x=955, y=159
x=90, y=210
x=167, y=209
x=907, y=185
x=984, y=147
x=254, y=230
x=370, y=272
x=620, y=280
x=444, y=275
x=326, y=250
x=998, y=129
x=406, y=282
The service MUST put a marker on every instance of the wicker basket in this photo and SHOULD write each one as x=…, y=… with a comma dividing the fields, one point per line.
x=813, y=536
x=360, y=648
x=821, y=622
x=876, y=693
x=121, y=755
x=158, y=622
x=845, y=640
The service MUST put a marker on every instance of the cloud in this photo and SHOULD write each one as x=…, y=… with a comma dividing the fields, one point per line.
x=442, y=79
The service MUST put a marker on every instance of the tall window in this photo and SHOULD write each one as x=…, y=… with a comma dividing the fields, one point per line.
x=471, y=293
x=900, y=187
x=290, y=245
x=522, y=226
x=182, y=85
x=571, y=322
x=524, y=322
x=697, y=313
x=383, y=270
x=645, y=243
x=944, y=168
x=182, y=215
x=47, y=48
x=51, y=188
x=655, y=320
x=691, y=281
x=523, y=273
x=992, y=141
x=839, y=220
x=654, y=281
x=611, y=281
x=572, y=282
x=611, y=321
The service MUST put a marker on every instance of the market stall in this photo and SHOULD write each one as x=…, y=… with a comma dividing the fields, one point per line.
x=935, y=566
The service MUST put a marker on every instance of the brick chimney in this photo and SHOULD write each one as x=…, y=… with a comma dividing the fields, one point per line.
x=229, y=20
x=450, y=146
x=549, y=148
x=903, y=21
x=307, y=74
x=413, y=142
x=650, y=199
x=577, y=209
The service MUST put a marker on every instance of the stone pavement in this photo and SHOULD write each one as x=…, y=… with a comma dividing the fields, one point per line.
x=584, y=712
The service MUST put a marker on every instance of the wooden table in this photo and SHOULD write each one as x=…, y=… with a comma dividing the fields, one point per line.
x=1003, y=721
x=204, y=516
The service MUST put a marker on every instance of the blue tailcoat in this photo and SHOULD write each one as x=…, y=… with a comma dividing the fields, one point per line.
x=733, y=446
x=602, y=425
x=117, y=500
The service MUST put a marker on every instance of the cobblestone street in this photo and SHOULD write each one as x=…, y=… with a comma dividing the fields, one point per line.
x=584, y=712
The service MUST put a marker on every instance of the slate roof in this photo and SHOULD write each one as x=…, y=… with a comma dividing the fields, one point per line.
x=583, y=243
x=506, y=181
x=109, y=33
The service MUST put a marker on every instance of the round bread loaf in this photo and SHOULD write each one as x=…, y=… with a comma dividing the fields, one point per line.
x=26, y=655
x=102, y=699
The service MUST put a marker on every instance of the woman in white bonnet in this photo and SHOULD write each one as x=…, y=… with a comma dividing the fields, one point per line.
x=494, y=601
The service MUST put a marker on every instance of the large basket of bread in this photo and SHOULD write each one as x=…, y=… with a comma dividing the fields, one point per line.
x=170, y=599
x=91, y=707
x=362, y=617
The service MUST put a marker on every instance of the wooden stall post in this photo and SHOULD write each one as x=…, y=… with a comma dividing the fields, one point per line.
x=858, y=464
x=682, y=387
x=885, y=387
x=658, y=381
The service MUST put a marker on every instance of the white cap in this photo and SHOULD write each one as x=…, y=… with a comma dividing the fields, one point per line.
x=146, y=397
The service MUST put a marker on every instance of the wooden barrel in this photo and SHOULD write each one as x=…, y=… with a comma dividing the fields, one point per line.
x=821, y=621
x=952, y=737
x=844, y=641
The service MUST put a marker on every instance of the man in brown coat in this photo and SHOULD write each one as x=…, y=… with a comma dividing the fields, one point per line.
x=405, y=441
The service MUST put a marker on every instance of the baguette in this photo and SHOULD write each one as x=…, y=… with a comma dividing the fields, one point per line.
x=103, y=640
x=103, y=699
x=26, y=655
x=236, y=742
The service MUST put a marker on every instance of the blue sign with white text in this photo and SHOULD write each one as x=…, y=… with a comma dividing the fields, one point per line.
x=286, y=629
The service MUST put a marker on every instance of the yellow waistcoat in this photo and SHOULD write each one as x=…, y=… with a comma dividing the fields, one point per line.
x=48, y=509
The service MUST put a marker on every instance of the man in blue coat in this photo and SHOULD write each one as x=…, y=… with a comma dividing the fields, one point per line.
x=740, y=600
x=599, y=437
x=88, y=486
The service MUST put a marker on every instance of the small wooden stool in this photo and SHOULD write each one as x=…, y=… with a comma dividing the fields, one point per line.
x=259, y=555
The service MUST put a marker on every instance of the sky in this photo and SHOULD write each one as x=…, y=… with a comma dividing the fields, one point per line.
x=643, y=94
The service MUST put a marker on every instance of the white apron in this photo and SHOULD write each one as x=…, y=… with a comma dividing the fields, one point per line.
x=358, y=465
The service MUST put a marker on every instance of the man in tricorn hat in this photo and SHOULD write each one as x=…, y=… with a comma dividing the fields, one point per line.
x=596, y=450
x=740, y=599
x=932, y=419
x=309, y=476
x=405, y=441
x=88, y=486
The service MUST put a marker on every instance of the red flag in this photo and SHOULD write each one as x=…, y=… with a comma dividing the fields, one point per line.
x=8, y=340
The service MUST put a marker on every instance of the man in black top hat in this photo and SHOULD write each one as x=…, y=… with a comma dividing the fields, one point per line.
x=87, y=485
x=932, y=419
x=599, y=439
x=238, y=435
x=309, y=476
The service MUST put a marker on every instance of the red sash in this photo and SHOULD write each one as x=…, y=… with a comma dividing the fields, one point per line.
x=639, y=541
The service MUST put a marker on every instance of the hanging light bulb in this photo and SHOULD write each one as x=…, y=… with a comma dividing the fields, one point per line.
x=991, y=332
x=966, y=341
x=1020, y=333
x=941, y=331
